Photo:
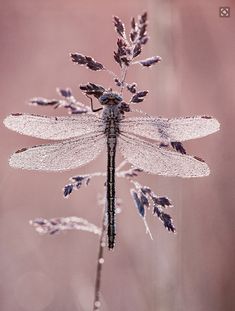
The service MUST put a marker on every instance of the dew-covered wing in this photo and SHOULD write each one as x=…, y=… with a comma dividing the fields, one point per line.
x=170, y=130
x=159, y=160
x=53, y=127
x=60, y=156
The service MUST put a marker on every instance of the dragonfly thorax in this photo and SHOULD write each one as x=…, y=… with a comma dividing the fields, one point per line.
x=110, y=98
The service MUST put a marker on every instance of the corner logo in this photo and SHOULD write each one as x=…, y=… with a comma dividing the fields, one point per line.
x=224, y=11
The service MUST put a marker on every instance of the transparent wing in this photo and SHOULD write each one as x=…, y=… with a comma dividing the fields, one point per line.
x=53, y=127
x=170, y=130
x=59, y=156
x=157, y=160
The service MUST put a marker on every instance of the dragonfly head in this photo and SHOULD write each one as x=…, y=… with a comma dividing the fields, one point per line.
x=110, y=98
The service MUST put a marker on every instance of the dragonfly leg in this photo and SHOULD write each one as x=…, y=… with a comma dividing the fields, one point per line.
x=92, y=107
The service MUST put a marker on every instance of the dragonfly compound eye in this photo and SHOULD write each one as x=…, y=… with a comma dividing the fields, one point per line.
x=110, y=98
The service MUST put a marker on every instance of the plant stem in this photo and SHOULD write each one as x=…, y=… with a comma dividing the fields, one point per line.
x=100, y=262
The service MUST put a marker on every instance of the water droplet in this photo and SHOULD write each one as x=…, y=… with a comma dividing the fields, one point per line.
x=101, y=261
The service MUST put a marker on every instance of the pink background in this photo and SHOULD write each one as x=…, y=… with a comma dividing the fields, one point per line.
x=192, y=270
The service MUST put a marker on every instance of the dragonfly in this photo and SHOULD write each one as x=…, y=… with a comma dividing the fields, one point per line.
x=145, y=142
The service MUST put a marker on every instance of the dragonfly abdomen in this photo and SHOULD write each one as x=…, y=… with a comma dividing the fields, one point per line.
x=112, y=131
x=111, y=193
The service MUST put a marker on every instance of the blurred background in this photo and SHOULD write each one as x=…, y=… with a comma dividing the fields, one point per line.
x=192, y=270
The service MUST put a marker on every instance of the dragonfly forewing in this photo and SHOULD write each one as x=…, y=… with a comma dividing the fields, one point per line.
x=69, y=154
x=53, y=127
x=158, y=160
x=170, y=130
